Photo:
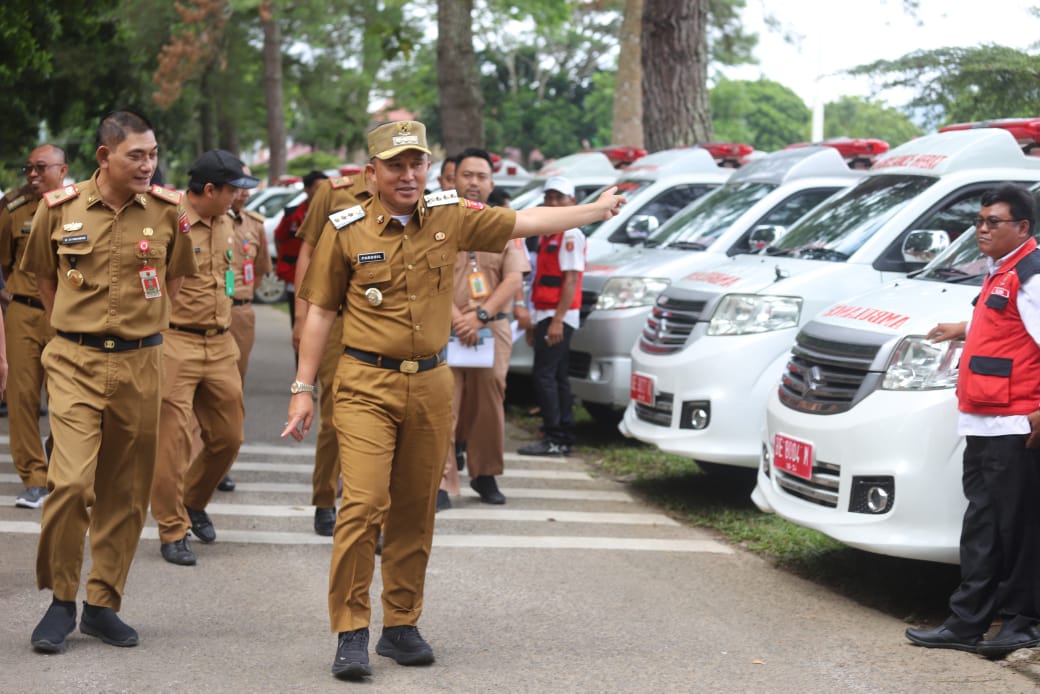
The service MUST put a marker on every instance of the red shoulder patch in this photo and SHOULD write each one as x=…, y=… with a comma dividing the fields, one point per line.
x=341, y=182
x=165, y=194
x=60, y=195
x=183, y=223
x=471, y=204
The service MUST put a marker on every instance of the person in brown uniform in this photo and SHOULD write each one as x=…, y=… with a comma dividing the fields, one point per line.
x=389, y=263
x=332, y=195
x=485, y=284
x=201, y=366
x=251, y=261
x=27, y=325
x=109, y=254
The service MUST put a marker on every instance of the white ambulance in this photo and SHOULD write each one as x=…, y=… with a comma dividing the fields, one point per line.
x=861, y=439
x=715, y=344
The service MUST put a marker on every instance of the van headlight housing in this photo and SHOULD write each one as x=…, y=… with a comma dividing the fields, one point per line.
x=744, y=314
x=630, y=292
x=919, y=364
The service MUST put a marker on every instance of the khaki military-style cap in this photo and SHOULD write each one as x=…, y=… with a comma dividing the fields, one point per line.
x=390, y=139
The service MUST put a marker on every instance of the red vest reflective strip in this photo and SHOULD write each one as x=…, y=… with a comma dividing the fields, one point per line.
x=548, y=280
x=1000, y=366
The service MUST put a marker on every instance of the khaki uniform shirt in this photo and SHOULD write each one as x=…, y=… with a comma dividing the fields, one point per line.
x=75, y=229
x=203, y=303
x=412, y=268
x=250, y=244
x=493, y=265
x=332, y=195
x=15, y=225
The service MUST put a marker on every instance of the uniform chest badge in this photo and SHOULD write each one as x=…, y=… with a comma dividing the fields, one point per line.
x=439, y=236
x=72, y=226
x=374, y=296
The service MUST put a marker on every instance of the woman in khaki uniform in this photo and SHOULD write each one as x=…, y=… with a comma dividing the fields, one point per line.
x=390, y=264
x=108, y=254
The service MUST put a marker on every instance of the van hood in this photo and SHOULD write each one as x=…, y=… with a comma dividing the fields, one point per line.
x=903, y=307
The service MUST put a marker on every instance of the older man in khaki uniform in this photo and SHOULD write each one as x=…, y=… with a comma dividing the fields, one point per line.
x=27, y=325
x=108, y=254
x=201, y=366
x=332, y=195
x=389, y=263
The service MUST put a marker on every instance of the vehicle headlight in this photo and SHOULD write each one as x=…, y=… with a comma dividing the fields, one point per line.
x=918, y=364
x=742, y=314
x=630, y=292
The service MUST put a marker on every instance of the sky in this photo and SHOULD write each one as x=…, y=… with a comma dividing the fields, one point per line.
x=839, y=34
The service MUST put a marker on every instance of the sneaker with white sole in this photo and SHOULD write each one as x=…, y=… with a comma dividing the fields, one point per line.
x=32, y=497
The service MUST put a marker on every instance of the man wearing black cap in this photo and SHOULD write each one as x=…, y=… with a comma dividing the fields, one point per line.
x=201, y=364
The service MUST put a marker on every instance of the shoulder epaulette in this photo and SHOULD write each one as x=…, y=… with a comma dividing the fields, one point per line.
x=165, y=194
x=61, y=195
x=341, y=182
x=471, y=204
x=17, y=202
x=256, y=215
x=348, y=216
x=444, y=197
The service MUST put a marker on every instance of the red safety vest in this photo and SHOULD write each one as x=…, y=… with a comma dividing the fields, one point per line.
x=1000, y=366
x=548, y=280
x=286, y=242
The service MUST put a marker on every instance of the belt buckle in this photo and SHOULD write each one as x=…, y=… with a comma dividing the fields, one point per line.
x=409, y=367
x=109, y=344
x=210, y=332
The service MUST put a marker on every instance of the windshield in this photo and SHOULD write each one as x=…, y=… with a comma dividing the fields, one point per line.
x=836, y=229
x=630, y=189
x=705, y=219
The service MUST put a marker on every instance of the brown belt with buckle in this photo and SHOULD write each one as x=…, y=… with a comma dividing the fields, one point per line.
x=408, y=366
x=241, y=302
x=28, y=301
x=205, y=332
x=111, y=343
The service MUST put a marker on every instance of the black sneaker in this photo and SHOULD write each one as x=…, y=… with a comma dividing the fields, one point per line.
x=324, y=521
x=443, y=500
x=104, y=623
x=58, y=622
x=543, y=447
x=201, y=525
x=227, y=484
x=178, y=552
x=486, y=486
x=351, y=661
x=405, y=645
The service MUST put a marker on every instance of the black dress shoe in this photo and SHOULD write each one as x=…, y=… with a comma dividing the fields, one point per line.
x=104, y=623
x=941, y=637
x=443, y=500
x=460, y=455
x=324, y=521
x=227, y=484
x=351, y=661
x=58, y=622
x=405, y=645
x=178, y=552
x=201, y=525
x=486, y=486
x=1011, y=640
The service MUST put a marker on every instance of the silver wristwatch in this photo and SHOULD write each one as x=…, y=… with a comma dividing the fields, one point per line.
x=301, y=387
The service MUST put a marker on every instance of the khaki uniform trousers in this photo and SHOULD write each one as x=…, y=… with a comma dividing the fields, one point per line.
x=243, y=331
x=201, y=381
x=478, y=414
x=28, y=332
x=393, y=431
x=326, y=451
x=104, y=412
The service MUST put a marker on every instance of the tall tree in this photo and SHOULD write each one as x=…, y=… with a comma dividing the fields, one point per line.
x=628, y=82
x=461, y=103
x=852, y=116
x=675, y=73
x=273, y=91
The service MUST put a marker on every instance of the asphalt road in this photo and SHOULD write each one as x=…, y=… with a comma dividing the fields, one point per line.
x=573, y=586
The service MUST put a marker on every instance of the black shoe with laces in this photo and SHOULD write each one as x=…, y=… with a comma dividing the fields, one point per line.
x=351, y=661
x=57, y=623
x=201, y=525
x=486, y=486
x=543, y=447
x=104, y=623
x=405, y=645
x=178, y=552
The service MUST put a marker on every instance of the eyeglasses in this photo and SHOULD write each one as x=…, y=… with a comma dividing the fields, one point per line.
x=992, y=222
x=38, y=168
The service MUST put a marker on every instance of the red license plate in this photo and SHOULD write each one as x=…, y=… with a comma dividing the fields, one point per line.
x=793, y=455
x=642, y=390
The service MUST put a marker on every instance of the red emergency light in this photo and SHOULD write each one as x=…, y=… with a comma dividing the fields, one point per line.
x=727, y=153
x=621, y=156
x=350, y=170
x=1026, y=131
x=860, y=150
x=287, y=180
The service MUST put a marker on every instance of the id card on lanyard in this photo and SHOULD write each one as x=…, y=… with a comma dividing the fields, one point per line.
x=478, y=284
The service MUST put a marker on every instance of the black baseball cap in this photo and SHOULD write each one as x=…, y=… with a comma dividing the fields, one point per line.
x=221, y=167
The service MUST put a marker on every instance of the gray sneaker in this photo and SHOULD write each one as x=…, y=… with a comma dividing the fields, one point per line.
x=32, y=497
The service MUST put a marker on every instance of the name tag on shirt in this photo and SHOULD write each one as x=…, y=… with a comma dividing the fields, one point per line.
x=376, y=257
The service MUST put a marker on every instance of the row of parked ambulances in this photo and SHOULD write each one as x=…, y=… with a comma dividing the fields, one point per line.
x=778, y=323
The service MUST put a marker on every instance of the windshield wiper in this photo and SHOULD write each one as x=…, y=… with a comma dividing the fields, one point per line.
x=652, y=243
x=966, y=278
x=688, y=245
x=809, y=252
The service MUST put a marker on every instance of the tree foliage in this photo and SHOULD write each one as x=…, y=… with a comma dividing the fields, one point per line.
x=761, y=113
x=852, y=116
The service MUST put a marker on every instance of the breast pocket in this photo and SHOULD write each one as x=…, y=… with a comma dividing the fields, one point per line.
x=155, y=256
x=75, y=265
x=442, y=270
x=374, y=275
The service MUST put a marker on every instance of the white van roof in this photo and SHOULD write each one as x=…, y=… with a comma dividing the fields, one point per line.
x=801, y=162
x=668, y=162
x=580, y=164
x=942, y=153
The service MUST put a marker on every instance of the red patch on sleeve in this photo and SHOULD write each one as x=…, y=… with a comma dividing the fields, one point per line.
x=183, y=222
x=471, y=204
x=570, y=245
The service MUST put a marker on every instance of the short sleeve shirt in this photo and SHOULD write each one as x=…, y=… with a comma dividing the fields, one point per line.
x=410, y=267
x=75, y=230
x=15, y=225
x=250, y=245
x=203, y=302
x=493, y=266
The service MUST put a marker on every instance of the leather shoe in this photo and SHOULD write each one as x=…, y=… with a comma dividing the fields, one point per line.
x=405, y=645
x=324, y=521
x=486, y=486
x=351, y=661
x=460, y=455
x=178, y=552
x=941, y=637
x=104, y=623
x=1012, y=640
x=201, y=525
x=227, y=484
x=443, y=500
x=58, y=622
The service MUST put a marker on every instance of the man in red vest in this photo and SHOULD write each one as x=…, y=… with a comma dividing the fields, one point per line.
x=556, y=304
x=998, y=394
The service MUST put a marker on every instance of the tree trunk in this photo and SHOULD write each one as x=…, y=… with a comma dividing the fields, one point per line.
x=458, y=81
x=675, y=73
x=273, y=91
x=628, y=82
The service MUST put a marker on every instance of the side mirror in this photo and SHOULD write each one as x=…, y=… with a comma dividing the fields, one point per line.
x=922, y=245
x=765, y=235
x=641, y=226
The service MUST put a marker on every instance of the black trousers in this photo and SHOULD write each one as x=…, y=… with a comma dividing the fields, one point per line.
x=552, y=386
x=999, y=553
